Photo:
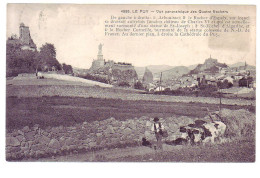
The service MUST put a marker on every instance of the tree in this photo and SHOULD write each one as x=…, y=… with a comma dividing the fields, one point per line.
x=48, y=50
x=27, y=61
x=47, y=57
x=245, y=82
x=225, y=84
x=138, y=85
x=18, y=60
x=67, y=68
x=124, y=84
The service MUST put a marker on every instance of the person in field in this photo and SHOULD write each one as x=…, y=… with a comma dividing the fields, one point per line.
x=158, y=128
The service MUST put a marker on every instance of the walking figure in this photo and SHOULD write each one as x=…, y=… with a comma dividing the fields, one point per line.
x=158, y=128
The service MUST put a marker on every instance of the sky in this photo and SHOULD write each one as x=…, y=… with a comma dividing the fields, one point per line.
x=77, y=30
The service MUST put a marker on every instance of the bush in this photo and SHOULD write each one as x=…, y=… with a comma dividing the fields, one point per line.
x=95, y=78
x=139, y=85
x=205, y=91
x=67, y=68
x=245, y=82
x=124, y=84
x=225, y=84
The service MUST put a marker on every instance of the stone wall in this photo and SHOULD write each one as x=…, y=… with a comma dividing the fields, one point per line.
x=36, y=142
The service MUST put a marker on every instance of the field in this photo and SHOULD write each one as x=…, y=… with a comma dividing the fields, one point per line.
x=53, y=87
x=55, y=111
x=51, y=103
x=237, y=151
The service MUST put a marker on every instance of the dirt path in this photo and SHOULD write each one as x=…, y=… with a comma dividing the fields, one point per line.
x=109, y=155
x=235, y=151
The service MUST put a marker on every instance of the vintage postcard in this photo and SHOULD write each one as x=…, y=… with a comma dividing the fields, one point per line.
x=130, y=83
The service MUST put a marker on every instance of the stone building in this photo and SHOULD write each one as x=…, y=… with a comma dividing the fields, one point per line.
x=25, y=38
x=24, y=41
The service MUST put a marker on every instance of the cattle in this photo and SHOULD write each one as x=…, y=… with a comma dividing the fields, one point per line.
x=191, y=133
x=217, y=130
x=204, y=132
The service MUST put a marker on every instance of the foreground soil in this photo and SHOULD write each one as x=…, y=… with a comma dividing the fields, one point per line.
x=67, y=111
x=235, y=151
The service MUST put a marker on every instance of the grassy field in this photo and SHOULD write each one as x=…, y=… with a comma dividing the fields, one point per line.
x=56, y=110
x=236, y=151
x=241, y=150
x=51, y=87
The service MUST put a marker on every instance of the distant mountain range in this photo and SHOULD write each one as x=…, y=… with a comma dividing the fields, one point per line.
x=166, y=69
x=153, y=68
x=174, y=72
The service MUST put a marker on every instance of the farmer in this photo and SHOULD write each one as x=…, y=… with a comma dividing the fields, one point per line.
x=157, y=128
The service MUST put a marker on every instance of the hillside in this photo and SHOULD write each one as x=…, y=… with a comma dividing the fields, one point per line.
x=77, y=70
x=153, y=68
x=191, y=67
x=240, y=64
x=174, y=72
x=210, y=65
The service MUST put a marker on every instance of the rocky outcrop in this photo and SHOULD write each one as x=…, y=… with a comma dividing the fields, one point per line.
x=210, y=65
x=148, y=76
x=121, y=73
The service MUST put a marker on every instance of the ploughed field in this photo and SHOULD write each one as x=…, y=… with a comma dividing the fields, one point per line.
x=50, y=111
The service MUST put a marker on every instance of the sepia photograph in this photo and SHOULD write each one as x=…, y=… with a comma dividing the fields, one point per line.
x=130, y=83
